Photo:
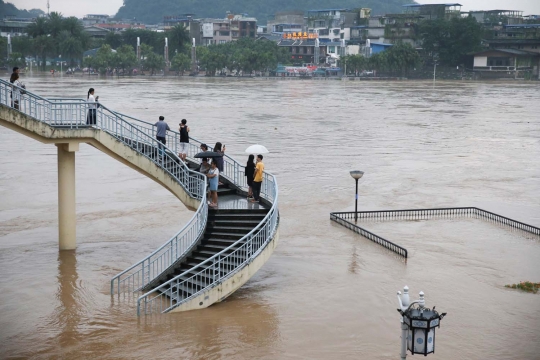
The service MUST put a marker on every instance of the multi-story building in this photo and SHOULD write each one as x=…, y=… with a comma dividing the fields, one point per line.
x=291, y=21
x=330, y=24
x=14, y=26
x=434, y=11
x=491, y=18
x=193, y=26
x=116, y=27
x=233, y=27
x=93, y=19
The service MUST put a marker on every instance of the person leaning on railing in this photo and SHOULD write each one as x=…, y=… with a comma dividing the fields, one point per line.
x=92, y=106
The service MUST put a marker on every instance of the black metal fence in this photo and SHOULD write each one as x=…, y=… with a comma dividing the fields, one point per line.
x=337, y=217
x=413, y=214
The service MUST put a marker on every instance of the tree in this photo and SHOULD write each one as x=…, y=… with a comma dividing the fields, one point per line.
x=450, y=40
x=38, y=28
x=17, y=59
x=354, y=63
x=114, y=40
x=179, y=38
x=103, y=59
x=181, y=62
x=43, y=46
x=153, y=62
x=71, y=48
x=125, y=58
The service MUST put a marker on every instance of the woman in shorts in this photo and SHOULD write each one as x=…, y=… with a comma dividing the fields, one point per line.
x=213, y=179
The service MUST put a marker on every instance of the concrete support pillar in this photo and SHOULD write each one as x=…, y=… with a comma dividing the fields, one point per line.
x=67, y=219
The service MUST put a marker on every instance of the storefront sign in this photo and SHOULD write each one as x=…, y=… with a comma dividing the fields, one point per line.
x=300, y=35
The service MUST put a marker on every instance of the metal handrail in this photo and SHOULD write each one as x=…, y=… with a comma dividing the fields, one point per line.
x=250, y=247
x=72, y=114
x=341, y=218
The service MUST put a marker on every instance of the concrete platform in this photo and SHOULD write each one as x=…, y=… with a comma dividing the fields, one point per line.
x=238, y=202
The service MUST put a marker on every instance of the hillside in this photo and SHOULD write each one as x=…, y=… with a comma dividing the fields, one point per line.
x=153, y=11
x=8, y=9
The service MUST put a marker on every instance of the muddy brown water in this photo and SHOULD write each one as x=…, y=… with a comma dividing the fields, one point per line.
x=326, y=293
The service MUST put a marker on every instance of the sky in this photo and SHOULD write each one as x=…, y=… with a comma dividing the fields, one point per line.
x=79, y=8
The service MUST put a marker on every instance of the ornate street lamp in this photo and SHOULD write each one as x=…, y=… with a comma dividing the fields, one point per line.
x=417, y=325
x=356, y=174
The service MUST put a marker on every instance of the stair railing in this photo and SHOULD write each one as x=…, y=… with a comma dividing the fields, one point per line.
x=217, y=268
x=233, y=171
x=73, y=114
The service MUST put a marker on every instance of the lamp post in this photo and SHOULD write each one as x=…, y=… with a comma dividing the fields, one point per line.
x=60, y=56
x=356, y=175
x=417, y=324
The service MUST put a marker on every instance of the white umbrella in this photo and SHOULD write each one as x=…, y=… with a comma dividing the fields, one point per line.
x=257, y=149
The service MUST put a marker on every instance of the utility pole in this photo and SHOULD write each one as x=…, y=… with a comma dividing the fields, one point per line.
x=48, y=7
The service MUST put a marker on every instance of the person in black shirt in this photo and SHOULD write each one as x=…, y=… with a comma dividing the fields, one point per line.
x=250, y=172
x=184, y=140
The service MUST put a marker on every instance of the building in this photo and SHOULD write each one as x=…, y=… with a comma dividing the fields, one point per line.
x=96, y=32
x=116, y=27
x=531, y=45
x=378, y=47
x=232, y=28
x=290, y=21
x=497, y=17
x=330, y=24
x=93, y=19
x=504, y=63
x=390, y=29
x=434, y=11
x=14, y=26
x=193, y=26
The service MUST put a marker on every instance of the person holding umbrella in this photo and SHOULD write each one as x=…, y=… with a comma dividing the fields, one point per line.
x=257, y=179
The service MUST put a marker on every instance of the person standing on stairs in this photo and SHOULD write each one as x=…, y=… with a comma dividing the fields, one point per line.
x=184, y=140
x=219, y=159
x=161, y=133
x=213, y=179
x=257, y=179
x=92, y=107
x=250, y=172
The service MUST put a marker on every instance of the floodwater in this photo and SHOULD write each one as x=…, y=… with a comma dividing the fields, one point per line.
x=326, y=293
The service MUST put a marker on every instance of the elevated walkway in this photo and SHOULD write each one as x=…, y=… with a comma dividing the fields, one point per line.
x=232, y=242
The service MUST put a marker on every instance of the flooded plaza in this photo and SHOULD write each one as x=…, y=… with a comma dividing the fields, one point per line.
x=326, y=292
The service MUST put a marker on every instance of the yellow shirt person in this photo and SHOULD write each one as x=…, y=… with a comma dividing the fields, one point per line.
x=257, y=179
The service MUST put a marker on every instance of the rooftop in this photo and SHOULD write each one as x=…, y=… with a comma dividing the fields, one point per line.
x=421, y=5
x=510, y=51
x=325, y=10
x=523, y=26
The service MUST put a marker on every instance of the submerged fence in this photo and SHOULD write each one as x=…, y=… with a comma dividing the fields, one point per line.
x=343, y=218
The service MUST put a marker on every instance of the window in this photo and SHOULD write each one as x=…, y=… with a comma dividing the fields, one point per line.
x=319, y=23
x=235, y=33
x=222, y=41
x=224, y=33
x=331, y=49
x=324, y=32
x=499, y=61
